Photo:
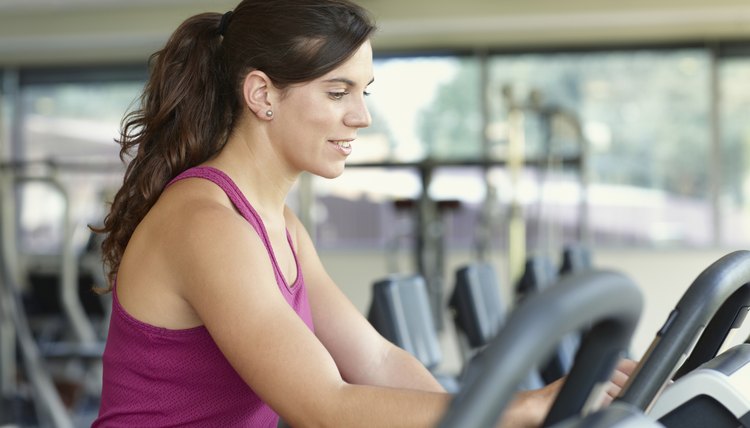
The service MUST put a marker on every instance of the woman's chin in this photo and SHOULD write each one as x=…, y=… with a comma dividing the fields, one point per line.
x=330, y=172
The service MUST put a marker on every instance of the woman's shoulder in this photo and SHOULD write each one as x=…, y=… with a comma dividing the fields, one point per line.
x=190, y=214
x=165, y=251
x=192, y=190
x=192, y=199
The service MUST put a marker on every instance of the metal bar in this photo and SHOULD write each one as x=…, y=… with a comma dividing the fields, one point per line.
x=572, y=161
x=676, y=339
x=516, y=161
x=69, y=299
x=8, y=121
x=48, y=403
x=80, y=166
x=716, y=145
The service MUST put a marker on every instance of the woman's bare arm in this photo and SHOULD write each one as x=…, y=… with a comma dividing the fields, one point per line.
x=362, y=355
x=229, y=282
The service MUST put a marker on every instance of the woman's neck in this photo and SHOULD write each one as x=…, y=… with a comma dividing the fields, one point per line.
x=261, y=175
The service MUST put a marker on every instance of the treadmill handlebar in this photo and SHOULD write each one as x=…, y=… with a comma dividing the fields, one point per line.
x=608, y=302
x=684, y=325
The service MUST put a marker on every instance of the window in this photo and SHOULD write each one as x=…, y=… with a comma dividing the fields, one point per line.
x=68, y=132
x=645, y=122
x=646, y=118
x=734, y=196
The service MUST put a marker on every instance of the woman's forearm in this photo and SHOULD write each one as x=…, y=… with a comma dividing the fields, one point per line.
x=400, y=369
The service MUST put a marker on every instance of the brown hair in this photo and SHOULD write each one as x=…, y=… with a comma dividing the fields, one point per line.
x=192, y=98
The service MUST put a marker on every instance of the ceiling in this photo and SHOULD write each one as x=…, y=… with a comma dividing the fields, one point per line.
x=88, y=31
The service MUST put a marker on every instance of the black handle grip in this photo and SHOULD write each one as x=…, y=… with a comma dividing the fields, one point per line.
x=607, y=301
x=702, y=300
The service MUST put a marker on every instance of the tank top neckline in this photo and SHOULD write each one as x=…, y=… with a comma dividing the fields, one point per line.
x=238, y=199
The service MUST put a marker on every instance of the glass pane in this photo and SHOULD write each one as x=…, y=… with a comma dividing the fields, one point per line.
x=735, y=171
x=74, y=121
x=422, y=107
x=645, y=115
x=460, y=193
x=73, y=126
x=359, y=210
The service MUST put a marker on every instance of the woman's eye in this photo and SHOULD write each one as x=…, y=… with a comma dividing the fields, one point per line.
x=337, y=95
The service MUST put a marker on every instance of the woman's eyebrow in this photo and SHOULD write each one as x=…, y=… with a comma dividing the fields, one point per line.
x=346, y=81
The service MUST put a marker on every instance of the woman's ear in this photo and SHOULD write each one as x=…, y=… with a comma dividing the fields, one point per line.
x=255, y=93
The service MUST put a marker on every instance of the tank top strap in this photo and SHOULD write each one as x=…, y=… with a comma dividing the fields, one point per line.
x=247, y=211
x=230, y=188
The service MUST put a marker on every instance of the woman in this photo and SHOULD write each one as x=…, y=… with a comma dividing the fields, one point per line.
x=223, y=314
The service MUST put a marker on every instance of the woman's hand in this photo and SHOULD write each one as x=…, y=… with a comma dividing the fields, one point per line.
x=618, y=380
x=529, y=408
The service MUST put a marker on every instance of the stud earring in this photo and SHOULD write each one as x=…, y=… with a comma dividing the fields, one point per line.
x=269, y=113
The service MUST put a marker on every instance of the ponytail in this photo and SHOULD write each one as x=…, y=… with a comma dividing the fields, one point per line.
x=184, y=119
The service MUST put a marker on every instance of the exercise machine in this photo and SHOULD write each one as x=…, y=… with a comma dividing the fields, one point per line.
x=709, y=387
x=400, y=311
x=539, y=274
x=478, y=313
x=476, y=307
x=575, y=258
x=606, y=302
x=49, y=409
x=680, y=381
x=716, y=394
x=38, y=293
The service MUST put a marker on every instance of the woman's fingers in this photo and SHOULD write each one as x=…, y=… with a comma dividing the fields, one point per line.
x=620, y=377
x=627, y=366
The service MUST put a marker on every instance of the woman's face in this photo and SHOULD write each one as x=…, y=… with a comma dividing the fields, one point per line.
x=315, y=123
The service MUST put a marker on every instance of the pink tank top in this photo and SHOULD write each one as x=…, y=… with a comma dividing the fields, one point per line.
x=157, y=377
